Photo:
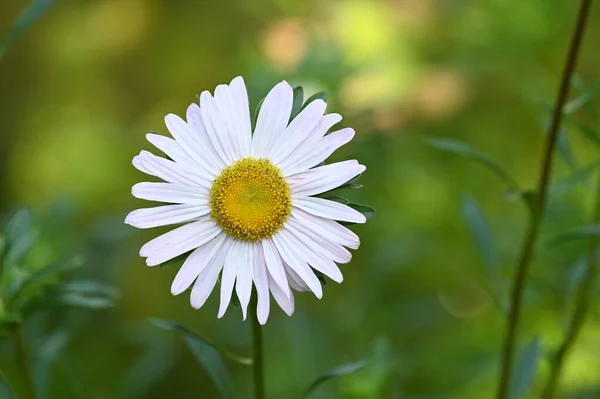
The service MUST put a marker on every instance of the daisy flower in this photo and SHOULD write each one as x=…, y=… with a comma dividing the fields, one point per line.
x=247, y=199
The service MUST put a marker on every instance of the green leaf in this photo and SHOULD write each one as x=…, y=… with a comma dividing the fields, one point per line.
x=462, y=149
x=28, y=16
x=208, y=355
x=320, y=276
x=334, y=373
x=6, y=390
x=584, y=98
x=349, y=185
x=530, y=198
x=576, y=234
x=364, y=209
x=19, y=224
x=480, y=231
x=46, y=355
x=173, y=326
x=317, y=96
x=256, y=112
x=298, y=100
x=565, y=150
x=584, y=130
x=335, y=198
x=2, y=246
x=91, y=288
x=581, y=176
x=76, y=300
x=524, y=372
x=20, y=247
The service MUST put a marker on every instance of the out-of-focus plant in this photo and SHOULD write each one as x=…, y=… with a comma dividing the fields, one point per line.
x=32, y=282
x=517, y=372
x=28, y=17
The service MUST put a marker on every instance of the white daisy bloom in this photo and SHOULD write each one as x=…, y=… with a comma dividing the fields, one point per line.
x=246, y=200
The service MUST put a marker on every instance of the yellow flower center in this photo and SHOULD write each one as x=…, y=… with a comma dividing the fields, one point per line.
x=250, y=199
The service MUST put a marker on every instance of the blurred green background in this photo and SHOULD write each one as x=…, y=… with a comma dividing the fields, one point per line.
x=79, y=90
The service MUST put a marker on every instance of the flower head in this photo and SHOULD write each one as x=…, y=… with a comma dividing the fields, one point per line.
x=246, y=200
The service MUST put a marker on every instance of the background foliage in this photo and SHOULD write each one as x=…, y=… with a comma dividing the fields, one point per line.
x=422, y=301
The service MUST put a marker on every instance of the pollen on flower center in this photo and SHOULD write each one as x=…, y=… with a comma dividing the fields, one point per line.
x=250, y=199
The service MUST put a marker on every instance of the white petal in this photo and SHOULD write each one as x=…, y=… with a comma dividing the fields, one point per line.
x=195, y=263
x=324, y=178
x=297, y=131
x=296, y=283
x=179, y=241
x=172, y=193
x=329, y=209
x=243, y=285
x=289, y=252
x=168, y=171
x=275, y=265
x=209, y=275
x=323, y=247
x=207, y=150
x=272, y=119
x=242, y=110
x=190, y=142
x=262, y=285
x=320, y=151
x=229, y=120
x=228, y=276
x=216, y=127
x=306, y=148
x=165, y=215
x=285, y=302
x=327, y=228
x=170, y=147
x=313, y=254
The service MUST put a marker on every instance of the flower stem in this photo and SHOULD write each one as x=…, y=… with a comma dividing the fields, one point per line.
x=537, y=214
x=23, y=362
x=581, y=307
x=257, y=343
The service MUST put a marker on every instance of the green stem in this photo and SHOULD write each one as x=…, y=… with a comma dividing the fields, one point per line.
x=520, y=280
x=581, y=307
x=257, y=344
x=23, y=362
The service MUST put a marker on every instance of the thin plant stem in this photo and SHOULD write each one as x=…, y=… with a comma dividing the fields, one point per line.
x=257, y=344
x=537, y=214
x=23, y=362
x=581, y=307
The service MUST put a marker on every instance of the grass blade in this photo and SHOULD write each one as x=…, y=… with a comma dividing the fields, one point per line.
x=576, y=234
x=524, y=373
x=462, y=149
x=334, y=373
x=209, y=355
x=28, y=16
x=480, y=231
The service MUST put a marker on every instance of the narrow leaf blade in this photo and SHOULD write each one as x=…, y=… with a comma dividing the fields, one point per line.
x=28, y=16
x=209, y=355
x=577, y=234
x=364, y=209
x=317, y=96
x=334, y=373
x=256, y=112
x=6, y=390
x=298, y=100
x=524, y=372
x=480, y=231
x=462, y=149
